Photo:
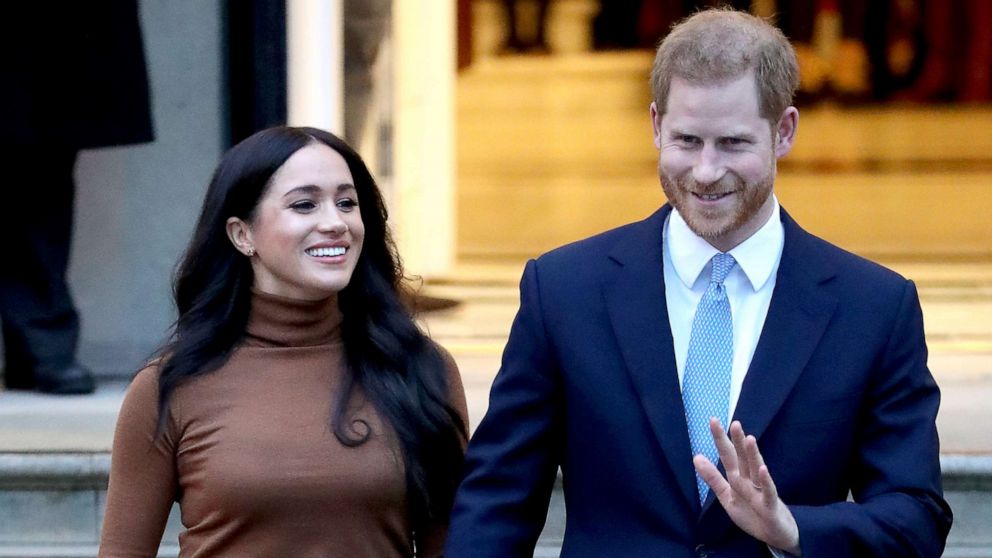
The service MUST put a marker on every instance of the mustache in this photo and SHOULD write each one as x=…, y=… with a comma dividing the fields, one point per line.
x=727, y=183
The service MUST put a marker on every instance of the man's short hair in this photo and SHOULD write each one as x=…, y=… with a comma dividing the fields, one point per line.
x=721, y=44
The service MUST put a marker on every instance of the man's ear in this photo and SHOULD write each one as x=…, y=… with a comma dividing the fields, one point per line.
x=240, y=235
x=655, y=124
x=785, y=131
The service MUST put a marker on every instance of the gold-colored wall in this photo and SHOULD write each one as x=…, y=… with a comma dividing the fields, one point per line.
x=555, y=148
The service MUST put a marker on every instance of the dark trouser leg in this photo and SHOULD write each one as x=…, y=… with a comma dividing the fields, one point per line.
x=513, y=40
x=40, y=324
x=541, y=40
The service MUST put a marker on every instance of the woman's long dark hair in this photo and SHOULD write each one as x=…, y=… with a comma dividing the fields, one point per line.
x=397, y=368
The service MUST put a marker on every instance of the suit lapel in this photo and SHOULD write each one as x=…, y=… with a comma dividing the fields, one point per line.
x=797, y=318
x=635, y=300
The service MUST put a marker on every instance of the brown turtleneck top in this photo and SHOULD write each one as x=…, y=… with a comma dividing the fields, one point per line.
x=249, y=454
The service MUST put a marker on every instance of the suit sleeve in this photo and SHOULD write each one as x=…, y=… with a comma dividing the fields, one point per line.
x=898, y=509
x=142, y=475
x=513, y=457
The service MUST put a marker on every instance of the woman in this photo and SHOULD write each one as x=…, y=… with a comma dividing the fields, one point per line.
x=297, y=410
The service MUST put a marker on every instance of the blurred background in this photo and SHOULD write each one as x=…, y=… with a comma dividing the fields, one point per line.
x=498, y=130
x=892, y=159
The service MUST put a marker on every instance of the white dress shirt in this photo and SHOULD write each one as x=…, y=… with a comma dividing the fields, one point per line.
x=749, y=288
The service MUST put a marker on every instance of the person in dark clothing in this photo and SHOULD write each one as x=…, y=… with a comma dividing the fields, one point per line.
x=74, y=78
x=517, y=42
x=635, y=352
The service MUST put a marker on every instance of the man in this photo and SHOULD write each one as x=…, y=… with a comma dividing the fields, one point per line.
x=74, y=78
x=632, y=349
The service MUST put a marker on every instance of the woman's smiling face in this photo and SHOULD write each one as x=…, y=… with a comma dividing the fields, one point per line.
x=307, y=229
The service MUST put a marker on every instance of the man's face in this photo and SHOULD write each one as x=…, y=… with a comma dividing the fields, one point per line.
x=717, y=157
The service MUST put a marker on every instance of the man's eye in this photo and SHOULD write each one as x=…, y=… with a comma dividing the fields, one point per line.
x=691, y=140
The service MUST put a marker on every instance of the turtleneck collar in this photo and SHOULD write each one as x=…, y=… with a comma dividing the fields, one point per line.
x=277, y=321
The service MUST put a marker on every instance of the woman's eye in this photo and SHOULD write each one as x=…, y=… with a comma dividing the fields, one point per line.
x=303, y=205
x=347, y=204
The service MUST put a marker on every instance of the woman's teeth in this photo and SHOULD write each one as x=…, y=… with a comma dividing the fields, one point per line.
x=326, y=252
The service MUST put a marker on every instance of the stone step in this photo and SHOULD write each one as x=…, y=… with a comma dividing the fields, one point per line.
x=51, y=506
x=67, y=551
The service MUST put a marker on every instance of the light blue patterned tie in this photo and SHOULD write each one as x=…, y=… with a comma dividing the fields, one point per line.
x=706, y=381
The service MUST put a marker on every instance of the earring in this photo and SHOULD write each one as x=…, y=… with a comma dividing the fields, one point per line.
x=250, y=252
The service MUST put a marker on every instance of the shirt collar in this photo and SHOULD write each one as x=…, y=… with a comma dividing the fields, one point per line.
x=757, y=256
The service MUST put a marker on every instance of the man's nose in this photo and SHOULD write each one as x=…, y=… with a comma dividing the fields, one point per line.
x=709, y=166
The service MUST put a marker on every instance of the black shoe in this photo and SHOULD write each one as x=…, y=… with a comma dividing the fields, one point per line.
x=17, y=372
x=15, y=381
x=71, y=380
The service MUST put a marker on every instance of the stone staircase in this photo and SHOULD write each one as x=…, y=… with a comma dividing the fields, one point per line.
x=51, y=506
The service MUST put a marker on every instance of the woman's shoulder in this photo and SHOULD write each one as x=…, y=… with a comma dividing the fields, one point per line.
x=144, y=384
x=139, y=410
x=453, y=380
x=450, y=364
x=445, y=354
x=185, y=393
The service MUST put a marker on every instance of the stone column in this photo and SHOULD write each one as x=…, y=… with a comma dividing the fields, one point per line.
x=424, y=140
x=314, y=30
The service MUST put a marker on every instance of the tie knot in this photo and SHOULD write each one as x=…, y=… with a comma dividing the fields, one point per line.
x=722, y=264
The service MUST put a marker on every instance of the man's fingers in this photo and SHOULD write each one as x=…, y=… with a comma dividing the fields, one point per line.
x=724, y=447
x=710, y=474
x=752, y=457
x=769, y=491
x=743, y=458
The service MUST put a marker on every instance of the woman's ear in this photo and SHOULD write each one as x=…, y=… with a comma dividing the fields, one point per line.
x=240, y=235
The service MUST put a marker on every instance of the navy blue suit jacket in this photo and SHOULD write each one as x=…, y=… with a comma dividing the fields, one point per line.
x=838, y=395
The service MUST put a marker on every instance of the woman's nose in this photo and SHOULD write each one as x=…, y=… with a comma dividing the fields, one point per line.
x=331, y=222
